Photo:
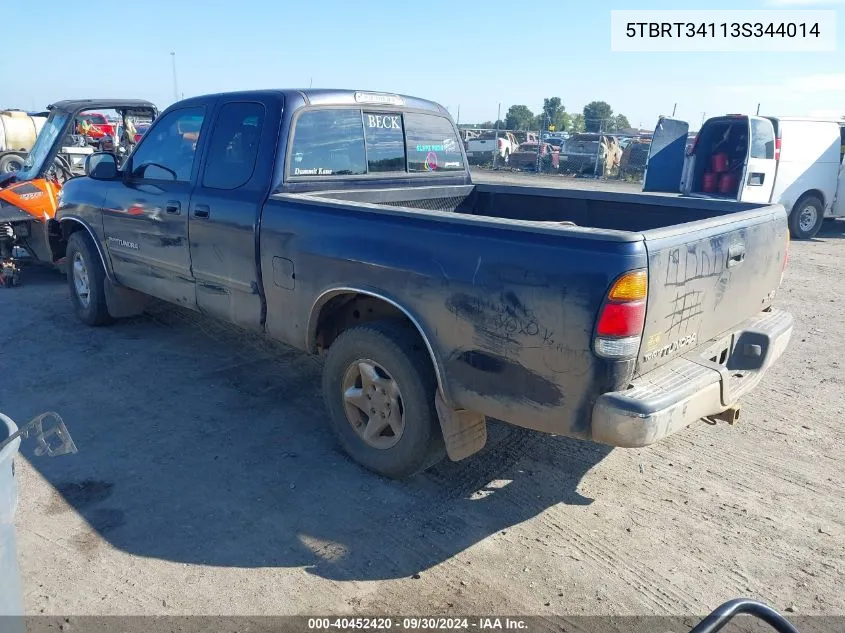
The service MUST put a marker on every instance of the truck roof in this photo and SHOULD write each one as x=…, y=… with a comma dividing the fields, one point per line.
x=326, y=96
x=75, y=104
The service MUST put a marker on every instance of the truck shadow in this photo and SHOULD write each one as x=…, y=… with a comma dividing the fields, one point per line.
x=831, y=229
x=205, y=446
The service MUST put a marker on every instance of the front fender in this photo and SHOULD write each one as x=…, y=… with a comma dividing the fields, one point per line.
x=69, y=224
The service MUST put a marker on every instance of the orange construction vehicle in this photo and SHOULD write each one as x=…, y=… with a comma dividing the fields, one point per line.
x=29, y=196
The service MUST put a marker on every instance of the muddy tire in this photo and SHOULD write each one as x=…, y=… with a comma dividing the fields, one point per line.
x=806, y=218
x=86, y=279
x=379, y=388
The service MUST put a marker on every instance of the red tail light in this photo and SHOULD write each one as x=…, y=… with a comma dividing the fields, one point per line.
x=501, y=142
x=777, y=149
x=621, y=321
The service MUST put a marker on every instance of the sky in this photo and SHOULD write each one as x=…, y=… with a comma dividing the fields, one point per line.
x=465, y=54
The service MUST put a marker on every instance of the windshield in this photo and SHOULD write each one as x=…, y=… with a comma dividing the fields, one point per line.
x=43, y=144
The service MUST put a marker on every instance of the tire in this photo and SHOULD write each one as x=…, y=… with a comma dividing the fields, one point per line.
x=806, y=218
x=395, y=351
x=10, y=163
x=84, y=269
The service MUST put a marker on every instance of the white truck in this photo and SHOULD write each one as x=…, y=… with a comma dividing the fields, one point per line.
x=484, y=147
x=794, y=162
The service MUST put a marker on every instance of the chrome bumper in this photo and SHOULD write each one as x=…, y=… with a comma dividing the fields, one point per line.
x=692, y=387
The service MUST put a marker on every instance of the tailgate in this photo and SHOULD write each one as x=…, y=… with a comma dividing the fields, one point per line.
x=705, y=277
x=481, y=146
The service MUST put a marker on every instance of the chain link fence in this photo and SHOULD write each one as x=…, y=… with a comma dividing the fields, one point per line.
x=600, y=151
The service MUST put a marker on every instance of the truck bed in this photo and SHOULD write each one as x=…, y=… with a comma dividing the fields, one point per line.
x=711, y=263
x=627, y=212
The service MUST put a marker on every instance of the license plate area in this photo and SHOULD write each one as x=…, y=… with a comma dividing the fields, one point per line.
x=728, y=355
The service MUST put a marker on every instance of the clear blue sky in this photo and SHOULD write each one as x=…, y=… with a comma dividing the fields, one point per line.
x=452, y=51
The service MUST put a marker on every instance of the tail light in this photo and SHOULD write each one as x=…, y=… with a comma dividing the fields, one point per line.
x=777, y=149
x=619, y=327
x=501, y=142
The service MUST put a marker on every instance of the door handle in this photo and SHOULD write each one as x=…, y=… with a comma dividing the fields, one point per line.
x=736, y=255
x=174, y=207
x=202, y=211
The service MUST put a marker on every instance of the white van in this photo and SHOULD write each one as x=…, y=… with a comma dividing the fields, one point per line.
x=784, y=160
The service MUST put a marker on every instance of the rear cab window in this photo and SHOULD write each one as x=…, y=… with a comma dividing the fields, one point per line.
x=359, y=142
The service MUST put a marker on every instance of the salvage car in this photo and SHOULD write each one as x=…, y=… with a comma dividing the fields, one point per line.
x=491, y=145
x=347, y=225
x=525, y=157
x=582, y=153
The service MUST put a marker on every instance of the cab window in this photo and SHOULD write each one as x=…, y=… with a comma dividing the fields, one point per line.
x=432, y=143
x=385, y=138
x=167, y=152
x=328, y=142
x=233, y=146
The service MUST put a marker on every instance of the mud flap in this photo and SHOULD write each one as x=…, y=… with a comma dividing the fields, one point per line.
x=123, y=302
x=464, y=432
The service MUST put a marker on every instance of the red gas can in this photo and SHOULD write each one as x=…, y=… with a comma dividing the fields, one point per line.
x=727, y=183
x=708, y=182
x=719, y=162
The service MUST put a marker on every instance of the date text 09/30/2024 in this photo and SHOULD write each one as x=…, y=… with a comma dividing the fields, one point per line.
x=416, y=624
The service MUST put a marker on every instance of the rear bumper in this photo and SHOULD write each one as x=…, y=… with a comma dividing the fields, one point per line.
x=692, y=387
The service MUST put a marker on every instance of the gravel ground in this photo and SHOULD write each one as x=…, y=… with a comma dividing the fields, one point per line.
x=207, y=482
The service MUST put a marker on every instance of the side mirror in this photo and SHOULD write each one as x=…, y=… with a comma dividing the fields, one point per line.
x=101, y=166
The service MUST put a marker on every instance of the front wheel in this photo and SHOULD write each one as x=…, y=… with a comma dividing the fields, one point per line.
x=86, y=280
x=379, y=387
x=806, y=218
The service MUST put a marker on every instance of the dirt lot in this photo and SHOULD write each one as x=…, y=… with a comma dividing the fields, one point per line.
x=207, y=483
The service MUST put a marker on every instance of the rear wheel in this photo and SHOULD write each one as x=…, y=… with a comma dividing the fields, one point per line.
x=806, y=218
x=86, y=280
x=379, y=387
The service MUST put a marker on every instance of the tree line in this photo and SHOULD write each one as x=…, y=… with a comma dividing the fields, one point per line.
x=596, y=116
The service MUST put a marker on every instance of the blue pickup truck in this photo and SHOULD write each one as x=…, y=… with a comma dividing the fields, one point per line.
x=347, y=225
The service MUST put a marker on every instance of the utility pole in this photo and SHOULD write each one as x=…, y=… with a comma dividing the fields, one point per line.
x=459, y=114
x=496, y=147
x=175, y=83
